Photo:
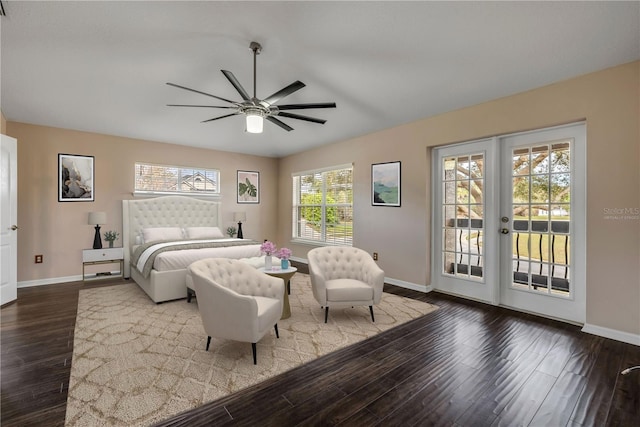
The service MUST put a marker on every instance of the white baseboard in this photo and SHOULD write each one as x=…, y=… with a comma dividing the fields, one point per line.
x=50, y=281
x=614, y=334
x=408, y=285
x=56, y=280
x=396, y=282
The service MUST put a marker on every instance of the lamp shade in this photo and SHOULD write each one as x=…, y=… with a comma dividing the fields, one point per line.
x=239, y=216
x=254, y=123
x=97, y=218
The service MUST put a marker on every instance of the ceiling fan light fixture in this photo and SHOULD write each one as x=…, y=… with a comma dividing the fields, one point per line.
x=254, y=121
x=256, y=109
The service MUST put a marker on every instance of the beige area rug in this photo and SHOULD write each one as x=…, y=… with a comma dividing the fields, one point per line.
x=136, y=362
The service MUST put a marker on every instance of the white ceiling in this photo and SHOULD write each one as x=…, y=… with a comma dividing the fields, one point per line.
x=102, y=66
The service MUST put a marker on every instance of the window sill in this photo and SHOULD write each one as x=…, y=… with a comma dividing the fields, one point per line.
x=317, y=243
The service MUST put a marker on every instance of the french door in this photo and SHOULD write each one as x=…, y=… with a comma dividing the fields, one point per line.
x=543, y=210
x=464, y=257
x=509, y=221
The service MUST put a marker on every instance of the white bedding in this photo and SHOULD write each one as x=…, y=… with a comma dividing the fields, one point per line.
x=179, y=254
x=176, y=260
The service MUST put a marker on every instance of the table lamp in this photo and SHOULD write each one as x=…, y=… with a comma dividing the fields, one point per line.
x=240, y=216
x=97, y=218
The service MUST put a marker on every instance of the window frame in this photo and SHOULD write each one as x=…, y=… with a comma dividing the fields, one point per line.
x=180, y=171
x=296, y=205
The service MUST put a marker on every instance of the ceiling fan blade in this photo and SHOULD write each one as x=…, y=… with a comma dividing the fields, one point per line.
x=203, y=106
x=279, y=123
x=201, y=93
x=297, y=85
x=243, y=93
x=299, y=117
x=221, y=117
x=307, y=106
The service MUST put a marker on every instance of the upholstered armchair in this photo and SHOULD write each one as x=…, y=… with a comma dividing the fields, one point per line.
x=236, y=301
x=343, y=277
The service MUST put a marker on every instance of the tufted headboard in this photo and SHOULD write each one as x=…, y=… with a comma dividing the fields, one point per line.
x=166, y=211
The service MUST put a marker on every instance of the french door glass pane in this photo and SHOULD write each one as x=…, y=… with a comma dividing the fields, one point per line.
x=540, y=159
x=541, y=195
x=463, y=182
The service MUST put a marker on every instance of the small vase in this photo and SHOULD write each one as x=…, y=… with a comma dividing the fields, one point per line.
x=284, y=264
x=111, y=243
x=267, y=262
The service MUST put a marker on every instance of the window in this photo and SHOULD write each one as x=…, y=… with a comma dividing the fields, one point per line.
x=323, y=206
x=174, y=179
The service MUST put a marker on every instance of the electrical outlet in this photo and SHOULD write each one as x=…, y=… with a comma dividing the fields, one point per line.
x=38, y=259
x=375, y=256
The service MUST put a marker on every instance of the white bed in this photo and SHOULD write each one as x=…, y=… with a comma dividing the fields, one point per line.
x=167, y=280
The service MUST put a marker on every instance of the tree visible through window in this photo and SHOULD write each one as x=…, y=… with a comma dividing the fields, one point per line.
x=173, y=179
x=323, y=206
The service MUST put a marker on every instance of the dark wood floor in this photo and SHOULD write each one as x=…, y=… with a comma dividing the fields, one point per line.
x=35, y=354
x=467, y=364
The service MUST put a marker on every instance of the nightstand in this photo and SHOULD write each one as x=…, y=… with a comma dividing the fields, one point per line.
x=99, y=257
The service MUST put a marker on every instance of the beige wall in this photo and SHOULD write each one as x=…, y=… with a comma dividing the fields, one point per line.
x=3, y=124
x=608, y=100
x=59, y=231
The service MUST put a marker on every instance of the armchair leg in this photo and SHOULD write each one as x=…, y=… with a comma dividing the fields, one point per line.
x=253, y=347
x=208, y=342
x=371, y=310
x=326, y=313
x=276, y=328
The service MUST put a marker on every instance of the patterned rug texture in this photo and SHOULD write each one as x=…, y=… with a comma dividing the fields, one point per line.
x=136, y=362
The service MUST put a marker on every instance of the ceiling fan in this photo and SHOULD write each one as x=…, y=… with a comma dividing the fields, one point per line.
x=256, y=109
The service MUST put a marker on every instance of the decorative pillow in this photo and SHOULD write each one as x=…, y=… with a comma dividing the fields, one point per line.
x=204, y=233
x=161, y=233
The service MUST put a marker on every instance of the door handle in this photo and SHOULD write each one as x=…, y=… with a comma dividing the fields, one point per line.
x=14, y=227
x=504, y=230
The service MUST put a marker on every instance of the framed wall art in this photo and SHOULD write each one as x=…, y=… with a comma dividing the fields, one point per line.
x=248, y=187
x=385, y=184
x=76, y=178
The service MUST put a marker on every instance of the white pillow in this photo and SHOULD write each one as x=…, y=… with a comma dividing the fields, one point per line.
x=204, y=233
x=161, y=233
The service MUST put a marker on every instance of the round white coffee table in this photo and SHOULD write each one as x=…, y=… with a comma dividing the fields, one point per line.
x=286, y=275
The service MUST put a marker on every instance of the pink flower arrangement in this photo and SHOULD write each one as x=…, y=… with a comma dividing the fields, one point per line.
x=268, y=247
x=284, y=253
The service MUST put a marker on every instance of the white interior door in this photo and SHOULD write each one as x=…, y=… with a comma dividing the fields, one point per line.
x=509, y=221
x=8, y=220
x=465, y=260
x=543, y=209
